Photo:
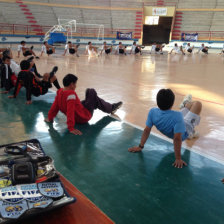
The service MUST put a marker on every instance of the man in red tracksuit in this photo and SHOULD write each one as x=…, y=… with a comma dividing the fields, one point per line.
x=76, y=111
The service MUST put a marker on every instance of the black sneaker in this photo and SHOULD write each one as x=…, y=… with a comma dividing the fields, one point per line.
x=31, y=47
x=116, y=106
x=37, y=57
x=54, y=70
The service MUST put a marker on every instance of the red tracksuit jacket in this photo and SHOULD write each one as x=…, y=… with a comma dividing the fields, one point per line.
x=68, y=103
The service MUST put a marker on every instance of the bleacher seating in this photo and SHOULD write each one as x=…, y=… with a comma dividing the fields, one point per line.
x=114, y=19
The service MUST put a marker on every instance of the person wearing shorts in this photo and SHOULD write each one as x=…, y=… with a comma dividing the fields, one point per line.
x=120, y=49
x=135, y=49
x=203, y=49
x=91, y=50
x=47, y=49
x=177, y=49
x=157, y=48
x=106, y=49
x=188, y=48
x=71, y=48
x=25, y=50
x=177, y=125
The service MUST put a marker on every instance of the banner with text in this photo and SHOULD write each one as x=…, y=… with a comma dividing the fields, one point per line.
x=124, y=36
x=189, y=36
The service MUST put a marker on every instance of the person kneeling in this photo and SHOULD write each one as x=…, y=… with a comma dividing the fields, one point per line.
x=68, y=102
x=177, y=125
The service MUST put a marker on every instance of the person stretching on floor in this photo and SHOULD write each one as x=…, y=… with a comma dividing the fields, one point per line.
x=203, y=49
x=26, y=51
x=47, y=49
x=106, y=49
x=120, y=49
x=135, y=49
x=68, y=102
x=177, y=49
x=177, y=125
x=71, y=48
x=188, y=48
x=33, y=84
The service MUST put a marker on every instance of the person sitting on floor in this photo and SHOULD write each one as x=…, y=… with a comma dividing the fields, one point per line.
x=106, y=49
x=71, y=48
x=68, y=102
x=177, y=125
x=120, y=49
x=157, y=48
x=26, y=51
x=33, y=84
x=203, y=49
x=136, y=49
x=177, y=49
x=91, y=50
x=188, y=48
x=47, y=49
x=8, y=78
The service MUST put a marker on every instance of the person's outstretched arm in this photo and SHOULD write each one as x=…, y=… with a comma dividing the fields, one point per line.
x=177, y=142
x=71, y=115
x=53, y=111
x=144, y=138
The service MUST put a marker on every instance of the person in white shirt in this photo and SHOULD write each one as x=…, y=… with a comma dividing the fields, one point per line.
x=203, y=49
x=177, y=49
x=136, y=49
x=120, y=49
x=106, y=49
x=71, y=48
x=157, y=48
x=25, y=50
x=91, y=50
x=47, y=49
x=188, y=48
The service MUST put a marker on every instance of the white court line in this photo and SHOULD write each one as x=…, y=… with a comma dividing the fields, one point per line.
x=184, y=145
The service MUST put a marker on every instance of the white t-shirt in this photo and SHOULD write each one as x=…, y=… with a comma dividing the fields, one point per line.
x=177, y=49
x=15, y=67
x=103, y=48
x=20, y=47
x=187, y=47
x=153, y=47
x=44, y=49
x=133, y=48
x=88, y=49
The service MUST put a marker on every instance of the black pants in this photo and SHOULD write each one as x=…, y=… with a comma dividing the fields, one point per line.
x=93, y=102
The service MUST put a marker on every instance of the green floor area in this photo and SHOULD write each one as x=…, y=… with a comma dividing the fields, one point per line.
x=130, y=188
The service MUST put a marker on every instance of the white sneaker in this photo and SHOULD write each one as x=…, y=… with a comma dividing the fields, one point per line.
x=187, y=99
x=195, y=134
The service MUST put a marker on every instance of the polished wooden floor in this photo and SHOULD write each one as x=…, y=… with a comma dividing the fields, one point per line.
x=135, y=80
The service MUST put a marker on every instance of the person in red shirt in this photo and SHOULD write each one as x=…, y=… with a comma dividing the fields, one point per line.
x=68, y=102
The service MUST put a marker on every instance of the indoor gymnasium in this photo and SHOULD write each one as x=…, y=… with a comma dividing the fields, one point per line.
x=111, y=111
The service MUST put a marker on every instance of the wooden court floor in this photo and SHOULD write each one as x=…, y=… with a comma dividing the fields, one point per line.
x=135, y=80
